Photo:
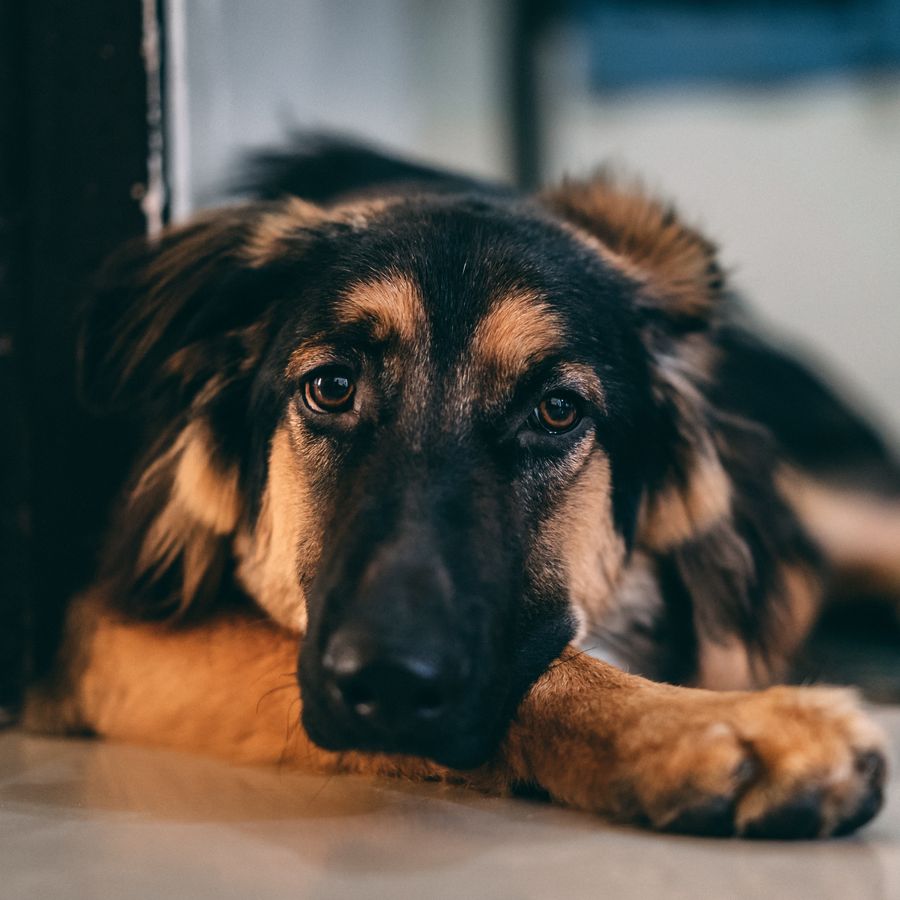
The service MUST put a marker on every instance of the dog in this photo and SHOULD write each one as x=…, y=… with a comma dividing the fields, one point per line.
x=433, y=438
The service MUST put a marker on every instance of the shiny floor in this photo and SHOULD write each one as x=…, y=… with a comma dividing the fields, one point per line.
x=85, y=819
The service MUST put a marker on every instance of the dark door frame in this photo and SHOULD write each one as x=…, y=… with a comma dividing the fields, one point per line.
x=73, y=173
x=80, y=137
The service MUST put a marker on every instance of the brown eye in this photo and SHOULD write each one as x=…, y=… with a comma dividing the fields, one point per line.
x=329, y=391
x=557, y=413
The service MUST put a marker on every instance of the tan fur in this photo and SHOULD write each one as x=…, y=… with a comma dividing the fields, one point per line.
x=726, y=666
x=801, y=592
x=285, y=542
x=636, y=748
x=592, y=736
x=680, y=511
x=206, y=491
x=581, y=537
x=517, y=331
x=203, y=505
x=287, y=219
x=275, y=228
x=676, y=514
x=679, y=262
x=391, y=305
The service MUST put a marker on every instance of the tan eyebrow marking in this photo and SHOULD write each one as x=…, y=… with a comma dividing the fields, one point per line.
x=392, y=305
x=516, y=332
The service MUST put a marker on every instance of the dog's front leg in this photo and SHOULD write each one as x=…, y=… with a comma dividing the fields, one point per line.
x=785, y=762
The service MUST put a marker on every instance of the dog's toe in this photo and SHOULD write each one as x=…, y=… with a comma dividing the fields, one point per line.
x=805, y=815
x=824, y=772
x=786, y=764
x=711, y=818
x=871, y=767
x=798, y=819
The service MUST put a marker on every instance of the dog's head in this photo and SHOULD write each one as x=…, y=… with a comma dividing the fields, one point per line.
x=425, y=431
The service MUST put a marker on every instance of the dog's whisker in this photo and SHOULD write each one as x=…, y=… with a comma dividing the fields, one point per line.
x=274, y=690
x=292, y=729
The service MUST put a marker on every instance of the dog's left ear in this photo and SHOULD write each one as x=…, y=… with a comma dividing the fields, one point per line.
x=678, y=288
x=681, y=280
x=687, y=516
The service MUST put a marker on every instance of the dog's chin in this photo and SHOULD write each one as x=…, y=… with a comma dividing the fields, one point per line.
x=460, y=749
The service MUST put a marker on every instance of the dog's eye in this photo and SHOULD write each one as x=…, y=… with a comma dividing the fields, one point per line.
x=557, y=413
x=329, y=390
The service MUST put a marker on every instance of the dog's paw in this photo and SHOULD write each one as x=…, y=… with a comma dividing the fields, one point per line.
x=784, y=763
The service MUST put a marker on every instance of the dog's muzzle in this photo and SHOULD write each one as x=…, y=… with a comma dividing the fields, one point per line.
x=391, y=690
x=400, y=661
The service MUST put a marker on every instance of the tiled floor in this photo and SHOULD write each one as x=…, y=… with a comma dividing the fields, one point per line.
x=82, y=819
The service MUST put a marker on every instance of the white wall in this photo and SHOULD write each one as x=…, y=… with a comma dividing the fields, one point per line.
x=800, y=187
x=416, y=75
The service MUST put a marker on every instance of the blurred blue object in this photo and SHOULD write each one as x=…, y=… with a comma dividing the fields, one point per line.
x=651, y=44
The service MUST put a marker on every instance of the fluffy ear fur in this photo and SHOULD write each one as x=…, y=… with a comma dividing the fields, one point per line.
x=676, y=264
x=679, y=288
x=168, y=313
x=705, y=517
x=175, y=335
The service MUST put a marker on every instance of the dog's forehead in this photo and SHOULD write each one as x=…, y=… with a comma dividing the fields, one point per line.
x=499, y=279
x=505, y=332
x=468, y=293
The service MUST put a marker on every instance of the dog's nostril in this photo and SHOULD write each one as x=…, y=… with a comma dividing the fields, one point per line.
x=429, y=699
x=392, y=690
x=367, y=701
x=387, y=687
x=357, y=694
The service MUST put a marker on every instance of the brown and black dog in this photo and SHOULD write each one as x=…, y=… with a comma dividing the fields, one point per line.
x=433, y=436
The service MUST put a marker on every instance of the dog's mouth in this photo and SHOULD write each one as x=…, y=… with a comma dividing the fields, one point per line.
x=420, y=700
x=455, y=750
x=418, y=648
x=457, y=743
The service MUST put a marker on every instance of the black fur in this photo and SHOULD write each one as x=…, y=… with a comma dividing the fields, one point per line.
x=189, y=330
x=816, y=428
x=325, y=168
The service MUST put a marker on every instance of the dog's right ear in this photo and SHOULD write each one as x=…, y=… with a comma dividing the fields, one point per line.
x=149, y=302
x=172, y=312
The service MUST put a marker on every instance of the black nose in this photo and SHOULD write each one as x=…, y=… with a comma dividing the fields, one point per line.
x=388, y=687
